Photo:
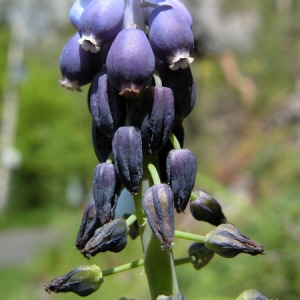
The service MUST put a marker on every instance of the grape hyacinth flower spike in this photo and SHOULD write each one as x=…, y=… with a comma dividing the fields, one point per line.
x=137, y=54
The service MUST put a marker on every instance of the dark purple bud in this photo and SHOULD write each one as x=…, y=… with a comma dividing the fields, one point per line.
x=130, y=61
x=78, y=66
x=100, y=21
x=110, y=237
x=107, y=107
x=88, y=226
x=227, y=241
x=105, y=192
x=182, y=84
x=128, y=156
x=201, y=254
x=178, y=131
x=82, y=281
x=206, y=208
x=158, y=205
x=170, y=37
x=157, y=118
x=102, y=145
x=77, y=10
x=181, y=172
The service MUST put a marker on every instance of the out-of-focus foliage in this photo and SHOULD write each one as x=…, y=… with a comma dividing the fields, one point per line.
x=247, y=153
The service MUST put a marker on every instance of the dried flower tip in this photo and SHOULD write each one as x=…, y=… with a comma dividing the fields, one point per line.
x=201, y=254
x=227, y=241
x=82, y=281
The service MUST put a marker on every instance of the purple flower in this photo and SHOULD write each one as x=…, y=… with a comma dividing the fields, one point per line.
x=78, y=66
x=130, y=61
x=158, y=205
x=170, y=37
x=157, y=117
x=128, y=156
x=107, y=107
x=100, y=21
x=181, y=172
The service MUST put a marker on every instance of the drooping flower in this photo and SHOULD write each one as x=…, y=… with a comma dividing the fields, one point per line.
x=170, y=37
x=128, y=156
x=99, y=22
x=82, y=281
x=158, y=205
x=157, y=118
x=130, y=61
x=227, y=241
x=206, y=208
x=78, y=66
x=181, y=173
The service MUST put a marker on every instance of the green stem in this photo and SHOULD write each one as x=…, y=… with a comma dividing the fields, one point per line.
x=174, y=141
x=189, y=236
x=130, y=220
x=184, y=260
x=159, y=264
x=126, y=267
x=110, y=158
x=140, y=263
x=194, y=196
x=157, y=79
x=154, y=174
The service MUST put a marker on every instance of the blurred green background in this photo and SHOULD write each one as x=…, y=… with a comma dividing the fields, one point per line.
x=244, y=131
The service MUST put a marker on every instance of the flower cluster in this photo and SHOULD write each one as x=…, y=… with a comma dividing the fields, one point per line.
x=136, y=56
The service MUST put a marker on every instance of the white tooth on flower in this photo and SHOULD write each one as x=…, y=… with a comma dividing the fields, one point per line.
x=89, y=43
x=180, y=61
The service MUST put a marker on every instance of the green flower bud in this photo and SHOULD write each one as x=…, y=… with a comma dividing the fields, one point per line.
x=251, y=294
x=201, y=254
x=227, y=241
x=82, y=281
